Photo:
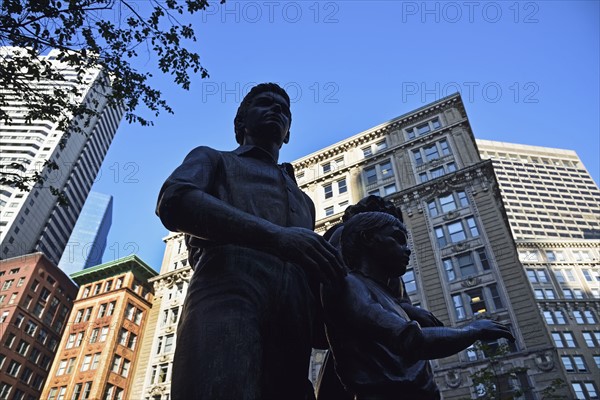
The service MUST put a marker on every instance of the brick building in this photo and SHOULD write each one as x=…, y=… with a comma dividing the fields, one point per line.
x=99, y=349
x=35, y=300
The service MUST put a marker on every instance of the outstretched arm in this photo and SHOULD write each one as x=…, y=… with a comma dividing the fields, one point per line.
x=440, y=342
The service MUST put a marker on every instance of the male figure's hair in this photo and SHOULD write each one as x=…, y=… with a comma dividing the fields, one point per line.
x=240, y=117
x=358, y=227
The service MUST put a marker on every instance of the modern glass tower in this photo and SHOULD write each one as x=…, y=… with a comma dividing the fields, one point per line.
x=88, y=240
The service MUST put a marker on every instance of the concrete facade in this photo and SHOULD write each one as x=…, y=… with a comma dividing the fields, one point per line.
x=553, y=208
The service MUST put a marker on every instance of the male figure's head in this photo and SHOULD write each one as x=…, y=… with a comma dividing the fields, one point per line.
x=376, y=244
x=264, y=116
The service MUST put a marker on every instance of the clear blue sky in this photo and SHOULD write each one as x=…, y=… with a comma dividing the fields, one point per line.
x=528, y=72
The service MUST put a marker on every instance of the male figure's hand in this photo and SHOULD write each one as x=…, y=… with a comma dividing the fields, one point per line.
x=422, y=316
x=309, y=250
x=486, y=329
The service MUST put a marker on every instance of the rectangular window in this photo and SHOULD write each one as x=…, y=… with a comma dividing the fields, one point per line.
x=580, y=363
x=79, y=339
x=440, y=236
x=125, y=370
x=466, y=265
x=409, y=281
x=472, y=227
x=567, y=363
x=22, y=347
x=132, y=341
x=62, y=367
x=459, y=308
x=431, y=152
x=70, y=365
x=447, y=203
x=386, y=170
x=328, y=190
x=371, y=175
x=389, y=189
x=116, y=365
x=477, y=301
x=456, y=232
x=103, y=333
x=549, y=317
x=560, y=317
x=101, y=310
x=444, y=147
x=380, y=146
x=76, y=391
x=367, y=151
x=437, y=172
x=448, y=266
x=111, y=308
x=87, y=388
x=423, y=129
x=87, y=314
x=95, y=361
x=130, y=311
x=326, y=167
x=342, y=188
x=123, y=337
x=432, y=207
x=87, y=360
x=418, y=157
x=328, y=211
x=485, y=264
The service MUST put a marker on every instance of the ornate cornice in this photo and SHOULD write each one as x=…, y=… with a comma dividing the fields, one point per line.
x=379, y=131
x=479, y=176
x=170, y=279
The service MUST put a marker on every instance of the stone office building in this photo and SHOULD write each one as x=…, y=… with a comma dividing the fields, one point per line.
x=35, y=300
x=99, y=350
x=464, y=264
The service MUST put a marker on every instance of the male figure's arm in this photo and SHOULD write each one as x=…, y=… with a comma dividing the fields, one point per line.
x=186, y=205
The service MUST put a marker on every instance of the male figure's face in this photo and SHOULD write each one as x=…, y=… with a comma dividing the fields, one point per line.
x=390, y=247
x=267, y=120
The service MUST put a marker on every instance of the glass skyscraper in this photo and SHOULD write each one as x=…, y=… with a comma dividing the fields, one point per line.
x=88, y=240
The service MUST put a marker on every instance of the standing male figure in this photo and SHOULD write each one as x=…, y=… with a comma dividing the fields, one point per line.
x=247, y=322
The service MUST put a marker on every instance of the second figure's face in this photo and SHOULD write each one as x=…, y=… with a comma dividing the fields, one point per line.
x=391, y=247
x=267, y=120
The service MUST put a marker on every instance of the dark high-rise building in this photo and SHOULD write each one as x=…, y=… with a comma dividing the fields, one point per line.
x=34, y=220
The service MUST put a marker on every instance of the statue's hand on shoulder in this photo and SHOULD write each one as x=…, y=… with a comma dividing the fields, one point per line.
x=313, y=253
x=422, y=316
x=486, y=329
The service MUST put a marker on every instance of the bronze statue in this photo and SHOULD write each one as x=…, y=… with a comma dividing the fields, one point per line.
x=380, y=352
x=328, y=386
x=247, y=322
